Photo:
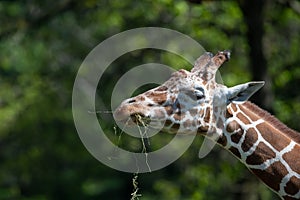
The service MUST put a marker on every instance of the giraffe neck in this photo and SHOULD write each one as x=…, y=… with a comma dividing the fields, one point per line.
x=266, y=146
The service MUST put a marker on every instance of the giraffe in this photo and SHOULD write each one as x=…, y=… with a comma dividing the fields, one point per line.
x=193, y=102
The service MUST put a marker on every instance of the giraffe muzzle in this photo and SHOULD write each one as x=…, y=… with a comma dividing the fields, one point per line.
x=140, y=119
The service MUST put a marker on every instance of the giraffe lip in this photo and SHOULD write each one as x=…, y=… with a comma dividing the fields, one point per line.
x=131, y=119
x=140, y=119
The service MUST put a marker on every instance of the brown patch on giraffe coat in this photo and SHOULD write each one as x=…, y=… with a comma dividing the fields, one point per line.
x=173, y=98
x=288, y=198
x=140, y=98
x=250, y=138
x=168, y=123
x=228, y=114
x=157, y=97
x=207, y=115
x=273, y=175
x=236, y=137
x=292, y=158
x=179, y=74
x=202, y=129
x=273, y=136
x=235, y=152
x=234, y=108
x=169, y=110
x=133, y=109
x=183, y=73
x=243, y=118
x=260, y=155
x=292, y=187
x=232, y=126
x=178, y=116
x=179, y=106
x=222, y=141
x=257, y=113
x=161, y=88
x=175, y=127
x=249, y=111
x=188, y=123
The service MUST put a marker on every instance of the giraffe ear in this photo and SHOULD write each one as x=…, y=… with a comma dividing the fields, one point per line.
x=243, y=92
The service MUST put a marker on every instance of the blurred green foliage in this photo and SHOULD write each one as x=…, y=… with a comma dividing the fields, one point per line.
x=42, y=46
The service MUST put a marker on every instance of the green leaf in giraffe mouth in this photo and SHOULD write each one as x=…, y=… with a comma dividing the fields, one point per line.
x=140, y=119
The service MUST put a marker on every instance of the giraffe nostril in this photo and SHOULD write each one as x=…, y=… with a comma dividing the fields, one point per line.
x=131, y=101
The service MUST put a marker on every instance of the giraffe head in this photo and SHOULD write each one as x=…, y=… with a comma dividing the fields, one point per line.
x=189, y=102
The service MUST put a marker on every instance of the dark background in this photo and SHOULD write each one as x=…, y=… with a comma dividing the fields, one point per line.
x=42, y=44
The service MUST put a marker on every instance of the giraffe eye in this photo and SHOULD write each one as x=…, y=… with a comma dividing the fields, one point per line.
x=195, y=94
x=199, y=92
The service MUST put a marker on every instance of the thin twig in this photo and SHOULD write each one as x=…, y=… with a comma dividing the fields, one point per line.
x=135, y=195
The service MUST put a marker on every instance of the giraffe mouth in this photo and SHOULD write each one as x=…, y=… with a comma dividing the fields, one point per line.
x=140, y=119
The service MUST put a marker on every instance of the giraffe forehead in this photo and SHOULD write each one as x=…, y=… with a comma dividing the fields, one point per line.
x=184, y=79
x=170, y=92
x=180, y=86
